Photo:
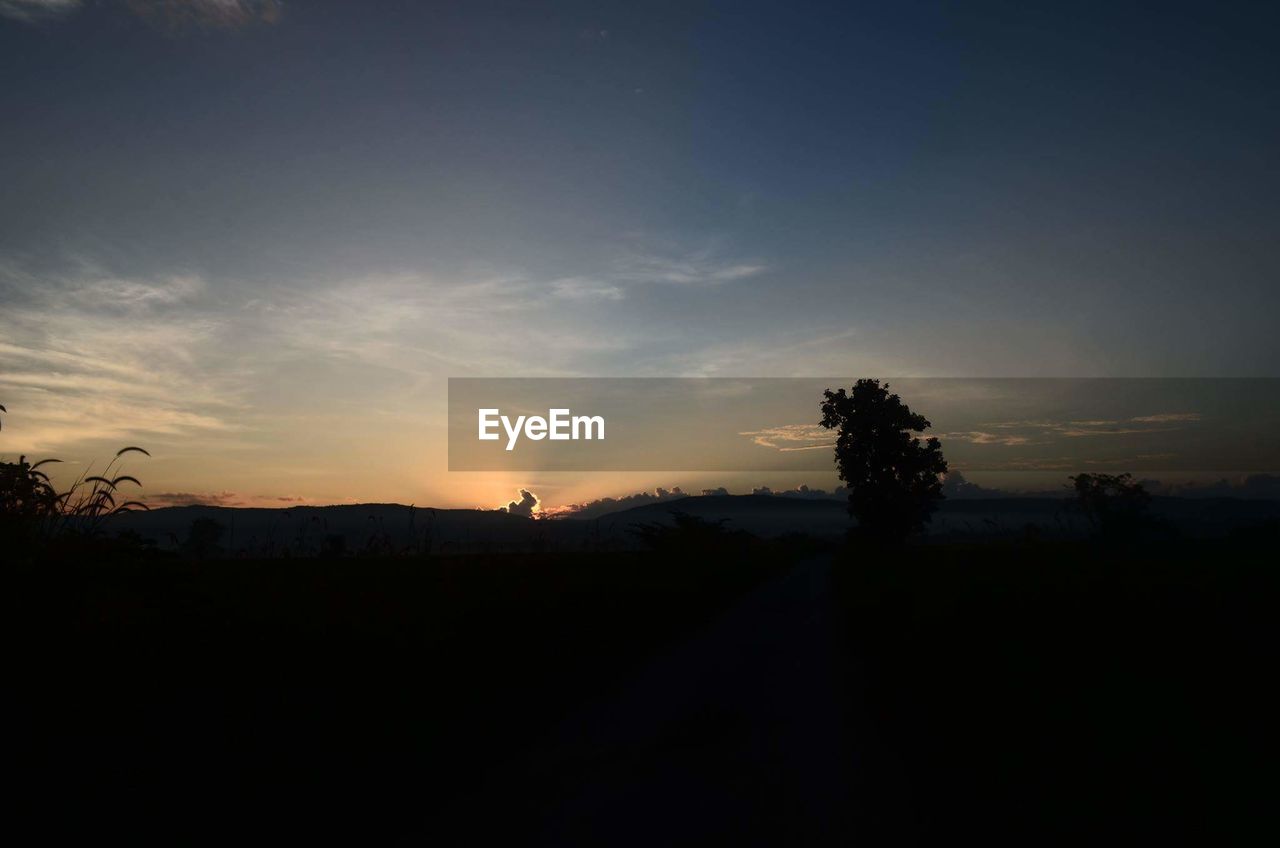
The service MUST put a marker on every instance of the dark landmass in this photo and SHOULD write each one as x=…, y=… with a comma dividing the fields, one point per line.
x=576, y=682
x=386, y=528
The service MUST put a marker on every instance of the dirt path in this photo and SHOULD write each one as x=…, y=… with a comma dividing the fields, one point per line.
x=733, y=735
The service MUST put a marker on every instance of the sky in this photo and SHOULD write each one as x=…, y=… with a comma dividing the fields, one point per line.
x=258, y=237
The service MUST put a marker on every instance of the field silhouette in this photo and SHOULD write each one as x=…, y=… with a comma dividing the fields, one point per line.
x=698, y=670
x=982, y=687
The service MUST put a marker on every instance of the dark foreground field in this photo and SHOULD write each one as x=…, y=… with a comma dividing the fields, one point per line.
x=1072, y=693
x=174, y=700
x=1026, y=693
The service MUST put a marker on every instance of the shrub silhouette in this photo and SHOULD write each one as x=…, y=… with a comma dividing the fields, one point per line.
x=893, y=478
x=26, y=503
x=690, y=534
x=1113, y=503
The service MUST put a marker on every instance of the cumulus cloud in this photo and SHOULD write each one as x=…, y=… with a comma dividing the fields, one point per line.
x=721, y=490
x=956, y=487
x=525, y=506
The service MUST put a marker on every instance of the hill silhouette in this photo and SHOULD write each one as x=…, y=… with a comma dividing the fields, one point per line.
x=393, y=528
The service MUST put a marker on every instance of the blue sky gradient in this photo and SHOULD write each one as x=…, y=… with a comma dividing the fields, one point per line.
x=259, y=236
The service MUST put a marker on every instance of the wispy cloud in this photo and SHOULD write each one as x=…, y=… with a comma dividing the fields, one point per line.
x=701, y=266
x=92, y=357
x=585, y=288
x=666, y=265
x=1085, y=428
x=1079, y=432
x=223, y=14
x=208, y=13
x=1164, y=417
x=424, y=326
x=980, y=437
x=791, y=437
x=35, y=11
x=770, y=354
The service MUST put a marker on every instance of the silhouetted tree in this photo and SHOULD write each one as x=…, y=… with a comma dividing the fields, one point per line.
x=1113, y=503
x=893, y=478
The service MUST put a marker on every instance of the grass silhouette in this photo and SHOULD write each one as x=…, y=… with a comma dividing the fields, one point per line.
x=35, y=512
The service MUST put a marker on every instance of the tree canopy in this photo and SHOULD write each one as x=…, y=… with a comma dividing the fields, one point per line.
x=894, y=478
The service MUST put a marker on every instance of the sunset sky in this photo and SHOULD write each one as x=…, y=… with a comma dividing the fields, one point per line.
x=257, y=238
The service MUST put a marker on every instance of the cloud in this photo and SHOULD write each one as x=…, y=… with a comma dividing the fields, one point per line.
x=35, y=11
x=414, y=323
x=165, y=499
x=172, y=14
x=672, y=265
x=1074, y=432
x=525, y=506
x=956, y=487
x=980, y=437
x=91, y=356
x=700, y=267
x=791, y=437
x=1059, y=463
x=1077, y=428
x=773, y=353
x=222, y=14
x=1167, y=417
x=716, y=492
x=584, y=288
